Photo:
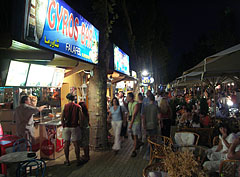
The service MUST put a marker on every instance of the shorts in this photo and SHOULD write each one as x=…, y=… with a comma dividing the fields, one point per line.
x=71, y=133
x=135, y=129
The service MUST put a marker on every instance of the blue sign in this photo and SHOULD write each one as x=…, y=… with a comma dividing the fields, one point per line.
x=55, y=25
x=121, y=61
x=146, y=80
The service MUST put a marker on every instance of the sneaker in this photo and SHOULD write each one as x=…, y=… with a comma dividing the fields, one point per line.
x=67, y=163
x=134, y=154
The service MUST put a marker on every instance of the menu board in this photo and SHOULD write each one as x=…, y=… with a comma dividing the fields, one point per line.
x=58, y=77
x=121, y=60
x=17, y=74
x=40, y=76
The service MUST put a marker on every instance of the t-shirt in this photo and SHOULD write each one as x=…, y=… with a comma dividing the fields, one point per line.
x=131, y=107
x=158, y=99
x=116, y=114
x=205, y=120
x=24, y=120
x=73, y=110
x=230, y=138
x=150, y=113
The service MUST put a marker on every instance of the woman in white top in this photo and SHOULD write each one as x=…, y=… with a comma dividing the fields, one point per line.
x=219, y=153
x=116, y=115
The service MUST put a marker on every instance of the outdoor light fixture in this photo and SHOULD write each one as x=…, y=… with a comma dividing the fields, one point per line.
x=145, y=73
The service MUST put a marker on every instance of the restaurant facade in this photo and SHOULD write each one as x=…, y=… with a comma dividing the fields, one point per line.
x=49, y=51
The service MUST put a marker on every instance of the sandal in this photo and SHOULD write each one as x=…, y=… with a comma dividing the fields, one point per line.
x=134, y=154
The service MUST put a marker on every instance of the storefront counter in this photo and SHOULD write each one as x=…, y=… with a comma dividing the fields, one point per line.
x=51, y=142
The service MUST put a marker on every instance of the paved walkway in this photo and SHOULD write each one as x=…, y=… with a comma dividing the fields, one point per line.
x=102, y=164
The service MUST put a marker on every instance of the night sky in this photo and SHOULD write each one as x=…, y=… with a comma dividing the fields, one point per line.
x=190, y=20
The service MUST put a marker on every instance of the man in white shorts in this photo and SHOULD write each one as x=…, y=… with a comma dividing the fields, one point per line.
x=71, y=120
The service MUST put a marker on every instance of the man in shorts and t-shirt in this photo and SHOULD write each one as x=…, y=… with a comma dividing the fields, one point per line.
x=71, y=120
x=134, y=121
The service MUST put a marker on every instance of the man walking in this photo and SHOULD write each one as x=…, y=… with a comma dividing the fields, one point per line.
x=150, y=117
x=134, y=121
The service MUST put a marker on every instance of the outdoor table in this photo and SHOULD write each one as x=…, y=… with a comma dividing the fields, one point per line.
x=12, y=159
x=6, y=144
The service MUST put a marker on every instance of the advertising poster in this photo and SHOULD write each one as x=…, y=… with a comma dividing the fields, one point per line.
x=121, y=61
x=47, y=146
x=55, y=25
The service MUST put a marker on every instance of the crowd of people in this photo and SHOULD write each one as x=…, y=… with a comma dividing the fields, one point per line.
x=138, y=118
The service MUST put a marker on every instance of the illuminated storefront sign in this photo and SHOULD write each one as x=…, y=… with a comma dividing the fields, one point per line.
x=56, y=26
x=121, y=60
x=146, y=80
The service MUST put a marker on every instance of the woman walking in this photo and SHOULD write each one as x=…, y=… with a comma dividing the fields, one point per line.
x=116, y=115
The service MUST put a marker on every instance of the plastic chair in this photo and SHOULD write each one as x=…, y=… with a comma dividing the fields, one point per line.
x=158, y=147
x=22, y=145
x=186, y=138
x=34, y=167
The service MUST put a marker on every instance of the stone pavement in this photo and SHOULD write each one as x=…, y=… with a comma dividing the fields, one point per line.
x=102, y=164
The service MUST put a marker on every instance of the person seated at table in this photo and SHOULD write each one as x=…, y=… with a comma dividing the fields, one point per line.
x=183, y=110
x=223, y=112
x=234, y=150
x=186, y=118
x=219, y=153
x=195, y=121
x=204, y=119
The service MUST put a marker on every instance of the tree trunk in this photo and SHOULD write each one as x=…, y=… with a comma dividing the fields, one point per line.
x=98, y=82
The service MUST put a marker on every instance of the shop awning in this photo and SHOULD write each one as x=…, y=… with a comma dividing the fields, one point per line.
x=118, y=77
x=13, y=49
